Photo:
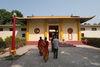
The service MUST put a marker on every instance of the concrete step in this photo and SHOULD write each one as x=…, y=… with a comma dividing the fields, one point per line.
x=67, y=42
x=75, y=42
x=33, y=42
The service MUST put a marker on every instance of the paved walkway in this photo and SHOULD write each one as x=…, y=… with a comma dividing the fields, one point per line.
x=20, y=51
x=80, y=56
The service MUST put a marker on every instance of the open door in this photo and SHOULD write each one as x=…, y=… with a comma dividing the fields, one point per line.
x=53, y=31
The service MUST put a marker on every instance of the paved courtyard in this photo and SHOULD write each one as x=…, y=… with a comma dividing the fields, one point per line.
x=80, y=56
x=68, y=57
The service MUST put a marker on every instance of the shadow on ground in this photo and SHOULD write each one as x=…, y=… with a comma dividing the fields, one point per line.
x=68, y=57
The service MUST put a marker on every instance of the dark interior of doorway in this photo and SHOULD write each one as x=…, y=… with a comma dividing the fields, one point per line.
x=53, y=31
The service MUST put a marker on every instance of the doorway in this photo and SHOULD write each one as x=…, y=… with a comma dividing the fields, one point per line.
x=53, y=31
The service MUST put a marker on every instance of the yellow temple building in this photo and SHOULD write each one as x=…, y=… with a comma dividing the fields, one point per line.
x=66, y=28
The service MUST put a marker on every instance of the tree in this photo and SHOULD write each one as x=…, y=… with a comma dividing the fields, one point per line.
x=5, y=16
x=98, y=23
x=94, y=24
x=19, y=14
x=88, y=24
x=85, y=23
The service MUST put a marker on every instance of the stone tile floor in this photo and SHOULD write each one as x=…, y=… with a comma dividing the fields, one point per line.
x=80, y=56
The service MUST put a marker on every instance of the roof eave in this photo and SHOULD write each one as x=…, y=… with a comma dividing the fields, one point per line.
x=82, y=19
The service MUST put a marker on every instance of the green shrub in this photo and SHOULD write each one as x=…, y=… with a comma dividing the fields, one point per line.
x=17, y=38
x=11, y=37
x=92, y=41
x=8, y=38
x=1, y=39
x=2, y=50
x=2, y=44
x=8, y=42
x=23, y=39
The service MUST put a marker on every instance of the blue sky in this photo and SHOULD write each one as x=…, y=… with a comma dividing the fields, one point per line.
x=82, y=8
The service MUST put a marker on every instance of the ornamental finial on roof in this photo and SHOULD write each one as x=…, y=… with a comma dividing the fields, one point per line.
x=71, y=15
x=32, y=15
x=52, y=15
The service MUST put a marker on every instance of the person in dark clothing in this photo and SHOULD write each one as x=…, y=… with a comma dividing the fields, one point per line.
x=56, y=46
x=52, y=48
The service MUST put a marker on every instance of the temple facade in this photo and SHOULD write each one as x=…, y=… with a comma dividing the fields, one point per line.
x=66, y=28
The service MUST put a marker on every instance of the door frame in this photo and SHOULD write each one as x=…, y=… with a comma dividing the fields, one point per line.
x=49, y=29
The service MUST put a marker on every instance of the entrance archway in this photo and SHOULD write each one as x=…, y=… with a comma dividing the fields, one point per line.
x=53, y=31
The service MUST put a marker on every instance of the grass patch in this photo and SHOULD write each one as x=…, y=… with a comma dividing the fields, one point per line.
x=10, y=58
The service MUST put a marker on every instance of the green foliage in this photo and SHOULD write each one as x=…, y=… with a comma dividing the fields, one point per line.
x=2, y=45
x=17, y=38
x=23, y=39
x=19, y=14
x=95, y=24
x=19, y=23
x=1, y=39
x=10, y=38
x=18, y=43
x=1, y=16
x=98, y=23
x=87, y=24
x=2, y=50
x=7, y=38
x=6, y=17
x=93, y=41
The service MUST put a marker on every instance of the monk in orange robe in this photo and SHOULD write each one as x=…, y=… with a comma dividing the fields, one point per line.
x=40, y=46
x=45, y=49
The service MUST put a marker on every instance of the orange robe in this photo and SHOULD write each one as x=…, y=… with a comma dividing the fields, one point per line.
x=45, y=51
x=40, y=46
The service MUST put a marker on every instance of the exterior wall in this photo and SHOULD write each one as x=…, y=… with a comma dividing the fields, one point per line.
x=89, y=33
x=36, y=24
x=70, y=24
x=6, y=32
x=41, y=25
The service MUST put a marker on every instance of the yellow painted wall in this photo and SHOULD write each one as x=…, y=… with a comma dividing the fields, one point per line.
x=46, y=28
x=70, y=24
x=61, y=30
x=36, y=24
x=44, y=32
x=79, y=31
x=27, y=32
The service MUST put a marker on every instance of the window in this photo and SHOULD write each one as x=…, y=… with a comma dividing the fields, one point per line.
x=94, y=29
x=10, y=29
x=23, y=29
x=82, y=29
x=1, y=29
x=82, y=34
x=23, y=35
